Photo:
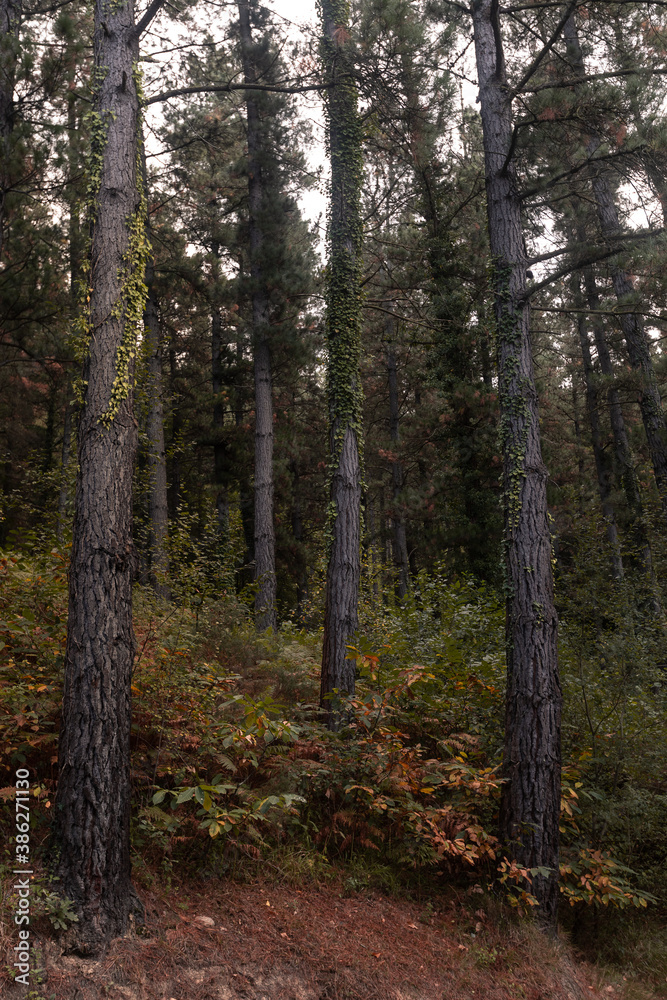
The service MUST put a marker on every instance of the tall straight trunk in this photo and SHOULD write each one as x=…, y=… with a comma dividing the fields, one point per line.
x=632, y=323
x=10, y=13
x=158, y=513
x=623, y=460
x=74, y=240
x=220, y=457
x=265, y=542
x=64, y=465
x=603, y=468
x=530, y=804
x=400, y=545
x=92, y=809
x=300, y=564
x=245, y=493
x=174, y=488
x=343, y=332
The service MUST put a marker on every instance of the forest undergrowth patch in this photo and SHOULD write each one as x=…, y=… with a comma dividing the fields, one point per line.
x=237, y=785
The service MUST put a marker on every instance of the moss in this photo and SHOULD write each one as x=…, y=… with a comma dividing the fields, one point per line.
x=344, y=240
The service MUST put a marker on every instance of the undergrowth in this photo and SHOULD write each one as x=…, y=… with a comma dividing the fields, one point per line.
x=233, y=772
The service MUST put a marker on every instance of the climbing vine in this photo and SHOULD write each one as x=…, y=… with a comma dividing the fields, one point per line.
x=96, y=125
x=129, y=307
x=131, y=299
x=515, y=419
x=344, y=240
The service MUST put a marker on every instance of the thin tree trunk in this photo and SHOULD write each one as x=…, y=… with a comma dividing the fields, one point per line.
x=158, y=513
x=602, y=466
x=632, y=323
x=625, y=468
x=343, y=330
x=10, y=14
x=174, y=489
x=64, y=465
x=374, y=563
x=530, y=804
x=74, y=234
x=265, y=542
x=400, y=545
x=92, y=809
x=301, y=567
x=220, y=457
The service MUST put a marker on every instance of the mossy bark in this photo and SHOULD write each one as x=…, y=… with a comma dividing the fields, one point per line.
x=92, y=809
x=530, y=804
x=343, y=331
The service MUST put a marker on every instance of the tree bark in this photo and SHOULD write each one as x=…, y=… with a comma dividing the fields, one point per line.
x=623, y=460
x=343, y=332
x=300, y=563
x=632, y=324
x=602, y=466
x=92, y=809
x=530, y=805
x=10, y=14
x=265, y=543
x=158, y=513
x=64, y=465
x=400, y=545
x=74, y=240
x=174, y=497
x=220, y=461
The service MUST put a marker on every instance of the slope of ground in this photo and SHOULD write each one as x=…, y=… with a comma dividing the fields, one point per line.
x=219, y=940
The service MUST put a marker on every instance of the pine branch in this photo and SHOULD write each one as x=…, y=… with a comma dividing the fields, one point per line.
x=228, y=88
x=555, y=35
x=575, y=170
x=583, y=262
x=590, y=77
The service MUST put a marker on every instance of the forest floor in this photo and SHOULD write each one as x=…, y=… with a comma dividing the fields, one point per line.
x=227, y=940
x=339, y=901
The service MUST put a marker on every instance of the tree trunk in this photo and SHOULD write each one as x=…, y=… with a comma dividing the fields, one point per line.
x=602, y=466
x=10, y=13
x=623, y=460
x=74, y=235
x=265, y=543
x=158, y=514
x=632, y=324
x=343, y=331
x=530, y=805
x=400, y=545
x=174, y=497
x=64, y=465
x=92, y=809
x=300, y=563
x=220, y=456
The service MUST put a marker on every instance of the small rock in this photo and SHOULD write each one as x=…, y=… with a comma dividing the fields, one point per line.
x=205, y=921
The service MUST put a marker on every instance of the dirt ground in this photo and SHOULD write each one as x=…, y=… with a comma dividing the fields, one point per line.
x=231, y=941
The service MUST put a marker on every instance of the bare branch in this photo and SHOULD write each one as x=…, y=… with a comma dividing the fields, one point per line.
x=534, y=66
x=151, y=11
